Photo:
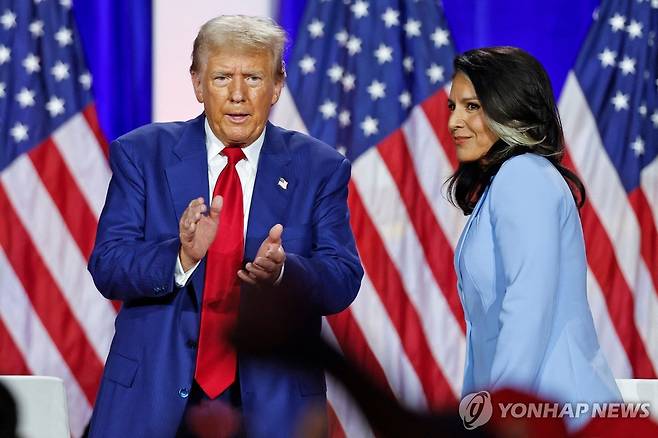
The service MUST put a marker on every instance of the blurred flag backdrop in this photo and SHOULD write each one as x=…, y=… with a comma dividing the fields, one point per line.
x=371, y=78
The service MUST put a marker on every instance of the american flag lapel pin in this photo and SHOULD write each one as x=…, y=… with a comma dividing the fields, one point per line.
x=283, y=183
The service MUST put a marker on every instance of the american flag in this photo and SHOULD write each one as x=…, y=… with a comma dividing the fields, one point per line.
x=53, y=179
x=371, y=78
x=609, y=109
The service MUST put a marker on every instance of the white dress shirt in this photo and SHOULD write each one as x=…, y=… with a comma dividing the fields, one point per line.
x=246, y=169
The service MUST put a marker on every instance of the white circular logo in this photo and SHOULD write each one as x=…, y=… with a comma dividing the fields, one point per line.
x=475, y=409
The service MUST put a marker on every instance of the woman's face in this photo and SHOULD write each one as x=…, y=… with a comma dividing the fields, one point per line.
x=467, y=123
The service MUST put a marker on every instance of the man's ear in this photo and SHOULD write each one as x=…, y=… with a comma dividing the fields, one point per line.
x=198, y=85
x=278, y=86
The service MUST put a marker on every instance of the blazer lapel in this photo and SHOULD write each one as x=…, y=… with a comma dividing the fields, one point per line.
x=274, y=184
x=187, y=177
x=464, y=234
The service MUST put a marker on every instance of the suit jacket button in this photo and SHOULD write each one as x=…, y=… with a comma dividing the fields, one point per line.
x=183, y=392
x=191, y=343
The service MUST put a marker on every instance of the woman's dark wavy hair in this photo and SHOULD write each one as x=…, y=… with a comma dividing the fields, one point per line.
x=517, y=99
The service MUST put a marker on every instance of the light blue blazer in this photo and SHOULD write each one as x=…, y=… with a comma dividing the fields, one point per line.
x=522, y=281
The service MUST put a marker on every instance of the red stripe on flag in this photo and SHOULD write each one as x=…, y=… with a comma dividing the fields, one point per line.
x=386, y=280
x=618, y=297
x=436, y=248
x=66, y=195
x=648, y=233
x=436, y=110
x=335, y=428
x=48, y=301
x=92, y=120
x=12, y=359
x=356, y=348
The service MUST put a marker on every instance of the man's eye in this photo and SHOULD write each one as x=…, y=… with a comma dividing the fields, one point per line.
x=451, y=107
x=472, y=106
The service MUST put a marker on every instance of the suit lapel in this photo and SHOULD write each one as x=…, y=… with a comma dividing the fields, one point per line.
x=187, y=177
x=467, y=228
x=274, y=184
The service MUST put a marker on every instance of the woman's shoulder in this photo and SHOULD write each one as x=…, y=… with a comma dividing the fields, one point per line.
x=529, y=177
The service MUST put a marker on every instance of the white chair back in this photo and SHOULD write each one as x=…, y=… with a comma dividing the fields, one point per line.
x=41, y=406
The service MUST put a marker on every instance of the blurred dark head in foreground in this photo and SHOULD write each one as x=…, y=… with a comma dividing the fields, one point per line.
x=8, y=414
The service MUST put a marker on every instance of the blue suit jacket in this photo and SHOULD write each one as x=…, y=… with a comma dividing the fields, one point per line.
x=522, y=280
x=157, y=170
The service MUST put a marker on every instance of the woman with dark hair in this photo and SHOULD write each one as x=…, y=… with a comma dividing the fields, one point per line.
x=521, y=258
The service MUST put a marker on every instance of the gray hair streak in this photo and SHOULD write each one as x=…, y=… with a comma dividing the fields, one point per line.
x=242, y=32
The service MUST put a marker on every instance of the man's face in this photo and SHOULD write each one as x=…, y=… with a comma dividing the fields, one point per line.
x=237, y=89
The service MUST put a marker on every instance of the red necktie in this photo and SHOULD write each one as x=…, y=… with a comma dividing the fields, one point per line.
x=216, y=359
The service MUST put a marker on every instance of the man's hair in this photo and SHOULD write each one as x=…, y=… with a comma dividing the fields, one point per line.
x=241, y=32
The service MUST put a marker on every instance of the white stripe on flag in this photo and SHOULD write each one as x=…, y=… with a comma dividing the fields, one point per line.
x=609, y=200
x=382, y=202
x=385, y=343
x=59, y=252
x=608, y=340
x=84, y=157
x=649, y=185
x=35, y=344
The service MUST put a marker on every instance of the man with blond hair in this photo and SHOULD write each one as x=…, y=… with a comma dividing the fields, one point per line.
x=199, y=216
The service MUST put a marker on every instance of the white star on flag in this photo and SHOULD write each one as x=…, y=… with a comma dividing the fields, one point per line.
x=19, y=132
x=65, y=3
x=391, y=17
x=55, y=106
x=64, y=37
x=360, y=9
x=8, y=19
x=85, y=80
x=341, y=150
x=435, y=73
x=607, y=57
x=408, y=64
x=36, y=28
x=342, y=37
x=344, y=118
x=353, y=45
x=328, y=109
x=638, y=146
x=369, y=126
x=377, y=90
x=2, y=89
x=307, y=64
x=620, y=101
x=627, y=65
x=440, y=37
x=5, y=54
x=31, y=63
x=634, y=29
x=617, y=22
x=335, y=73
x=642, y=109
x=384, y=54
x=654, y=119
x=60, y=71
x=316, y=29
x=412, y=28
x=349, y=82
x=25, y=97
x=405, y=99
